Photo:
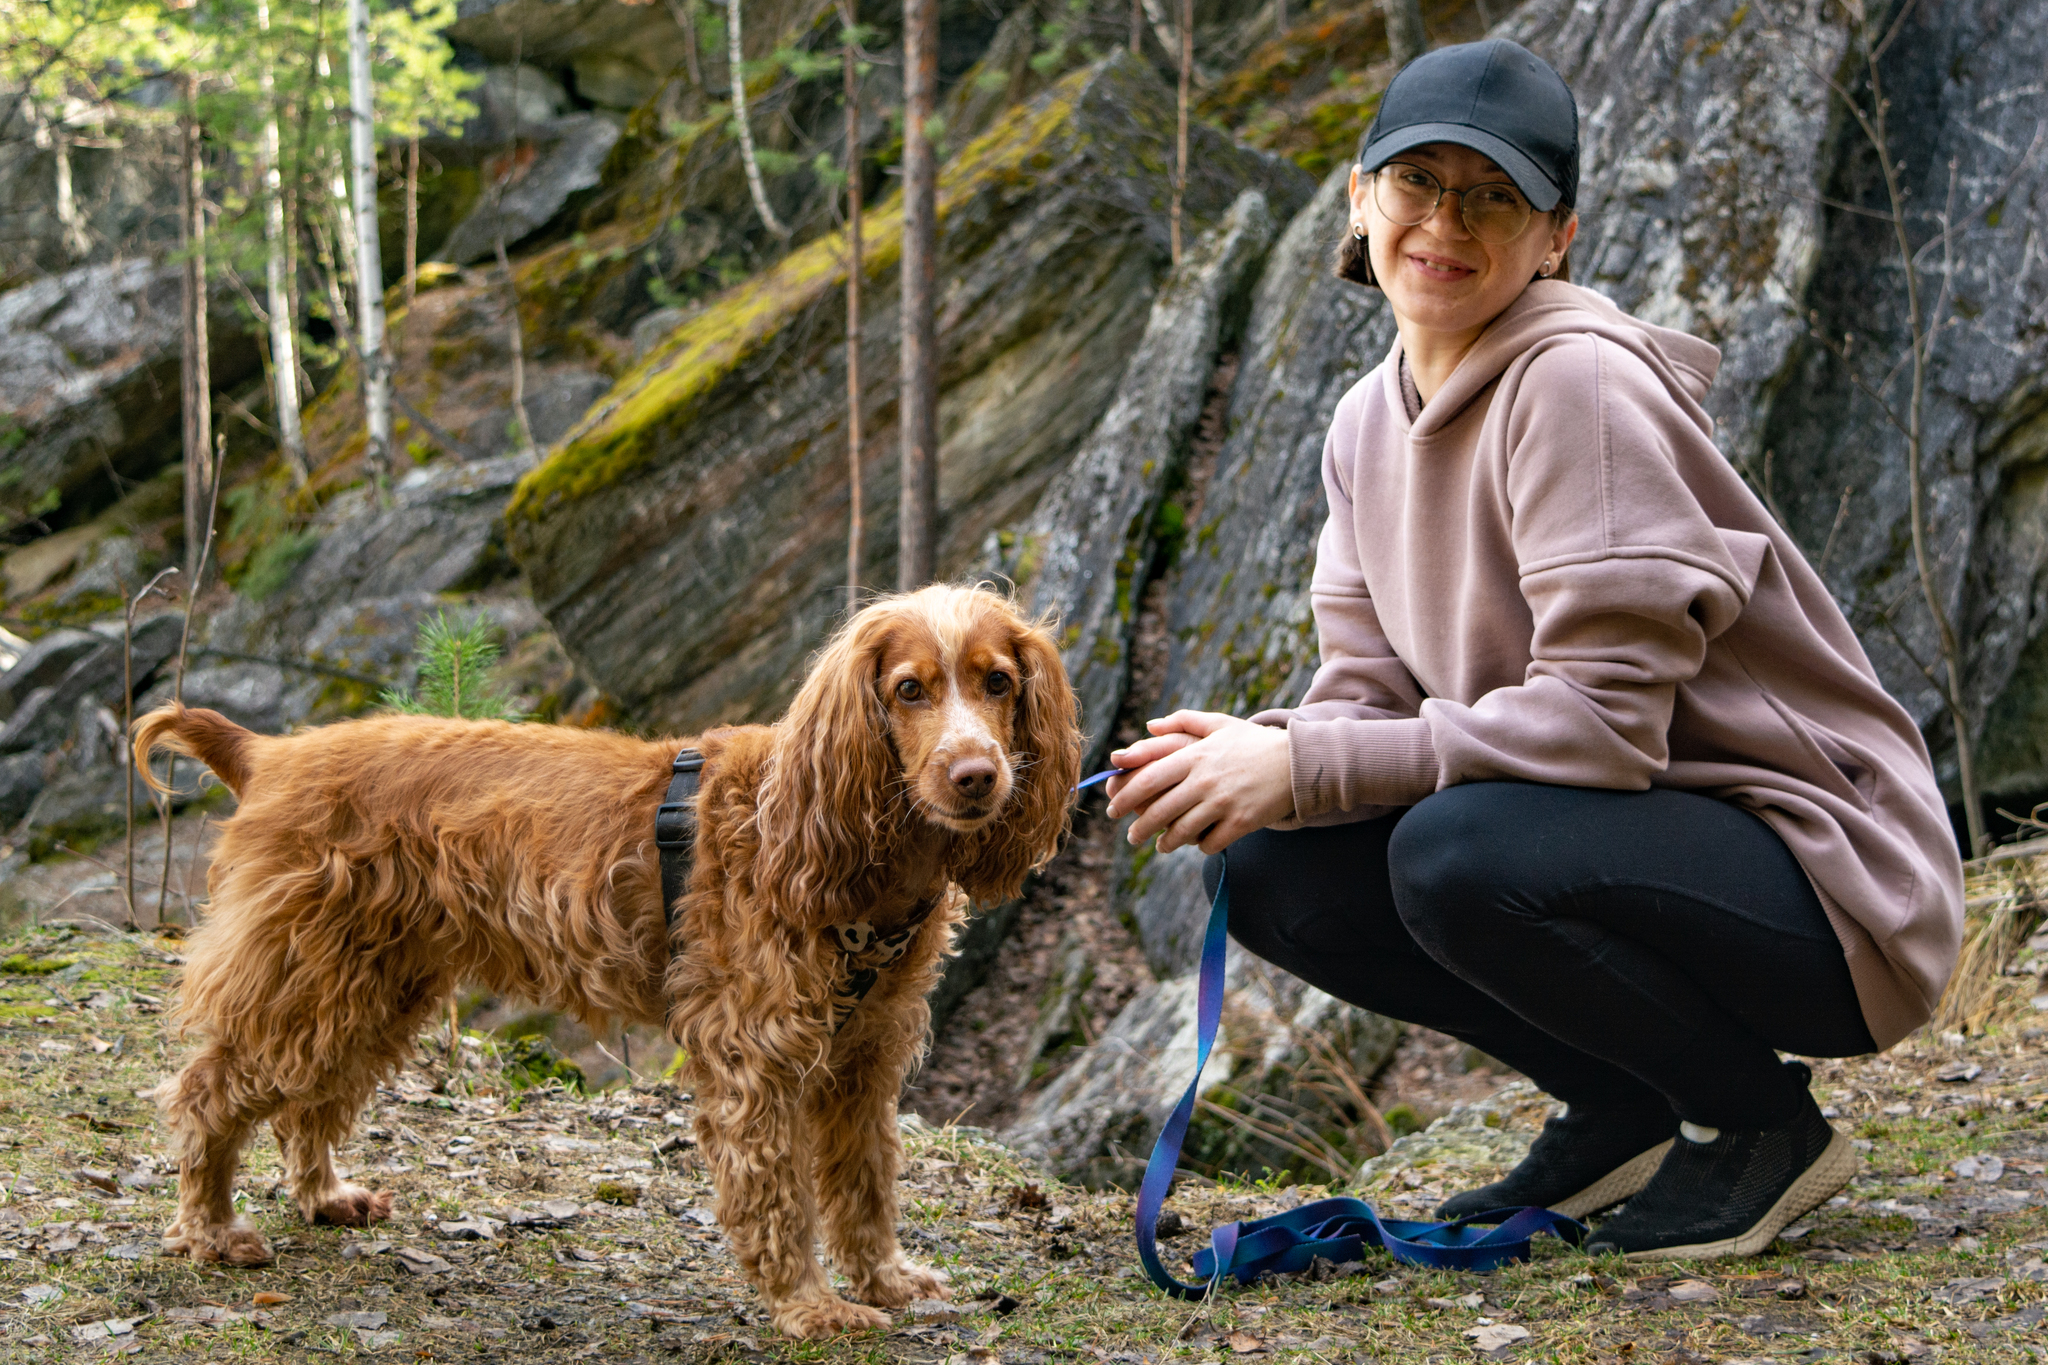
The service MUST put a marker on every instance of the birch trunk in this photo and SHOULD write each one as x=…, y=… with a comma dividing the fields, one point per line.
x=284, y=363
x=917, y=545
x=738, y=82
x=369, y=265
x=195, y=377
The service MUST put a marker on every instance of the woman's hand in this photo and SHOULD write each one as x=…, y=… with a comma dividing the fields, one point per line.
x=1204, y=779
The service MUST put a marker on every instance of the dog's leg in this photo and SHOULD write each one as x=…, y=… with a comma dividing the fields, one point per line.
x=210, y=1107
x=309, y=1133
x=859, y=1154
x=751, y=1132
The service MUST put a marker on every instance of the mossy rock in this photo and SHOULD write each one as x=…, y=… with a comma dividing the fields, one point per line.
x=27, y=964
x=687, y=538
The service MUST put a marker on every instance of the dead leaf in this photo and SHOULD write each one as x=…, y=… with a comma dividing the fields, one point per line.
x=1496, y=1336
x=268, y=1297
x=1244, y=1343
x=1693, y=1291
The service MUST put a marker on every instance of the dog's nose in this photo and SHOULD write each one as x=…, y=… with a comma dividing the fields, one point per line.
x=973, y=778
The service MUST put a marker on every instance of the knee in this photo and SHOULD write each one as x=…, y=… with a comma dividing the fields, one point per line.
x=1448, y=859
x=1255, y=921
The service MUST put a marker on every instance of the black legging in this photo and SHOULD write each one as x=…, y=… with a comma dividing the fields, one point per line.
x=1618, y=948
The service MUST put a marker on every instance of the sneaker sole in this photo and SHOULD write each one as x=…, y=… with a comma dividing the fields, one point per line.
x=1618, y=1184
x=1830, y=1171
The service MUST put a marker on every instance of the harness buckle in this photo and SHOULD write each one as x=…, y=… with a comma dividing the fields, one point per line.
x=672, y=822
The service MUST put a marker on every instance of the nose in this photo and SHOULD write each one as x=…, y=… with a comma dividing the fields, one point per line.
x=973, y=778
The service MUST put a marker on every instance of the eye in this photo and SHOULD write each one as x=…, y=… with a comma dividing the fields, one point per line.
x=998, y=684
x=909, y=690
x=1496, y=198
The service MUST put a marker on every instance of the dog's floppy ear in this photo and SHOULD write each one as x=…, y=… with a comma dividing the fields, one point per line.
x=1046, y=748
x=823, y=802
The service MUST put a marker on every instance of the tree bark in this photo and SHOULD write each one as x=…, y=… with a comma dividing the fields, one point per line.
x=1180, y=159
x=412, y=233
x=853, y=278
x=738, y=82
x=284, y=363
x=917, y=552
x=1406, y=38
x=369, y=264
x=195, y=378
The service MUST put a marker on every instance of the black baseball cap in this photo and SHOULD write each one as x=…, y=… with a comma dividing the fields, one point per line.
x=1496, y=97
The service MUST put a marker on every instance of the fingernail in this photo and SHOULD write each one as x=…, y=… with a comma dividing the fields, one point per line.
x=1112, y=812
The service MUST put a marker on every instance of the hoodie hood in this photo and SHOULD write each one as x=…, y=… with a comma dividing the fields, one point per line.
x=1553, y=308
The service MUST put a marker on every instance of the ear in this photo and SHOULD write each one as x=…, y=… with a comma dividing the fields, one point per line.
x=1046, y=752
x=823, y=802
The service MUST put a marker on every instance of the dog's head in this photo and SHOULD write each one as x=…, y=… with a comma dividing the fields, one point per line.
x=943, y=706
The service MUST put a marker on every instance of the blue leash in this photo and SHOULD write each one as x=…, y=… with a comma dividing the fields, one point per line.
x=1337, y=1230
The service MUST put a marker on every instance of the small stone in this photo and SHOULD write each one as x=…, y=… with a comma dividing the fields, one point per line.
x=929, y=1313
x=420, y=1262
x=42, y=1293
x=1791, y=1289
x=1171, y=1224
x=357, y=1249
x=368, y=1320
x=1693, y=1291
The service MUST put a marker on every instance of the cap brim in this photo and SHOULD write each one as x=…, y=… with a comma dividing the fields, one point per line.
x=1533, y=183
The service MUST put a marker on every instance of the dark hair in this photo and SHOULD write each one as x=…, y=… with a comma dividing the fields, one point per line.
x=1354, y=262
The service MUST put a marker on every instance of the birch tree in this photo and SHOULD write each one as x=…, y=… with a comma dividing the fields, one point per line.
x=737, y=79
x=369, y=265
x=284, y=363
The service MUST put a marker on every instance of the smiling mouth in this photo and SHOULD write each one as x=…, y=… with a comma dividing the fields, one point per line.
x=1443, y=270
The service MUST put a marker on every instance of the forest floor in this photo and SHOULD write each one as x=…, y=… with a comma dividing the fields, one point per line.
x=544, y=1225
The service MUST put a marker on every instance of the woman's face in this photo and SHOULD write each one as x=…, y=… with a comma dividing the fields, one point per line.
x=1437, y=275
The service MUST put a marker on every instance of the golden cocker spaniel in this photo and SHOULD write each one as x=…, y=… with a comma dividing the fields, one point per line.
x=372, y=864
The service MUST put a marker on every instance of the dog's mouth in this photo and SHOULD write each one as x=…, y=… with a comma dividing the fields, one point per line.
x=947, y=807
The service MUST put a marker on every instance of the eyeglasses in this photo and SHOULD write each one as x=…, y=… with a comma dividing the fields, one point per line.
x=1495, y=213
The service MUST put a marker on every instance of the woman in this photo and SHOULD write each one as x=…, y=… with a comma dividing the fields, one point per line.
x=1594, y=775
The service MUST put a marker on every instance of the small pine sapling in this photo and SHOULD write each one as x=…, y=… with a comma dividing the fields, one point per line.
x=455, y=674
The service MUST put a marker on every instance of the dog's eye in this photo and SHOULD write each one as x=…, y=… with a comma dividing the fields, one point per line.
x=998, y=684
x=909, y=689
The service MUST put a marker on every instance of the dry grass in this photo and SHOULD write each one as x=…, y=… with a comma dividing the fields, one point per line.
x=1915, y=1263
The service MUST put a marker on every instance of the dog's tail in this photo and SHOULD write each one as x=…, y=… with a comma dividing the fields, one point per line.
x=195, y=732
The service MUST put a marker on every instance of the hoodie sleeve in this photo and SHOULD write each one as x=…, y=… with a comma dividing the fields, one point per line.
x=1626, y=578
x=1342, y=741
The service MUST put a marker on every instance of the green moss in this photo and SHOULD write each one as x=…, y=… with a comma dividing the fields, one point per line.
x=628, y=428
x=23, y=964
x=532, y=1060
x=620, y=1192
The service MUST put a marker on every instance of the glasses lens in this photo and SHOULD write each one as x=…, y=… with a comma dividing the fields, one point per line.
x=1406, y=194
x=1496, y=214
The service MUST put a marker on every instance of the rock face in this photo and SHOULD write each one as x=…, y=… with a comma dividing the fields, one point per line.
x=568, y=155
x=1098, y=1119
x=89, y=381
x=1090, y=544
x=686, y=539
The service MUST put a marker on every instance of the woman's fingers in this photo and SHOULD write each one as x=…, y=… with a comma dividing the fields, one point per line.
x=1200, y=724
x=1146, y=751
x=1138, y=790
x=1166, y=810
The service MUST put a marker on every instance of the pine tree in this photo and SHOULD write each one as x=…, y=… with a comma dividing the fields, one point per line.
x=455, y=666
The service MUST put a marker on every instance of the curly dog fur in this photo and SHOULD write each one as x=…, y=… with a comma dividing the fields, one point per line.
x=373, y=864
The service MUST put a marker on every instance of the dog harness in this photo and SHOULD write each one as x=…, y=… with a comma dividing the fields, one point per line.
x=864, y=954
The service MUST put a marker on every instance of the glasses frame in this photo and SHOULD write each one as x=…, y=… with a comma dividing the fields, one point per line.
x=1529, y=209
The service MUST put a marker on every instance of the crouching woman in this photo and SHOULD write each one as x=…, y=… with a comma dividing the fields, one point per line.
x=1594, y=775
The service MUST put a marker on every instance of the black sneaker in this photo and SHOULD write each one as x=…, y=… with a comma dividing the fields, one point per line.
x=1583, y=1161
x=1730, y=1192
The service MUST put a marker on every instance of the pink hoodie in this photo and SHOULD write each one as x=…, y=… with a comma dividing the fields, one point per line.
x=1553, y=575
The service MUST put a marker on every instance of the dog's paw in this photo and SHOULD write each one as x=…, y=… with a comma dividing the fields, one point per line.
x=352, y=1206
x=809, y=1319
x=235, y=1243
x=898, y=1283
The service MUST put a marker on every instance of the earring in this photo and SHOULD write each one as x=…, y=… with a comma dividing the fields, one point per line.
x=1544, y=273
x=1358, y=231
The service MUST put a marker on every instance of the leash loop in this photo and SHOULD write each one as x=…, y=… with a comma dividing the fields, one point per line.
x=1337, y=1229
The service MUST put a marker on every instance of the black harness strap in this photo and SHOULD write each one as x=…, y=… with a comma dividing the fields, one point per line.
x=866, y=953
x=675, y=834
